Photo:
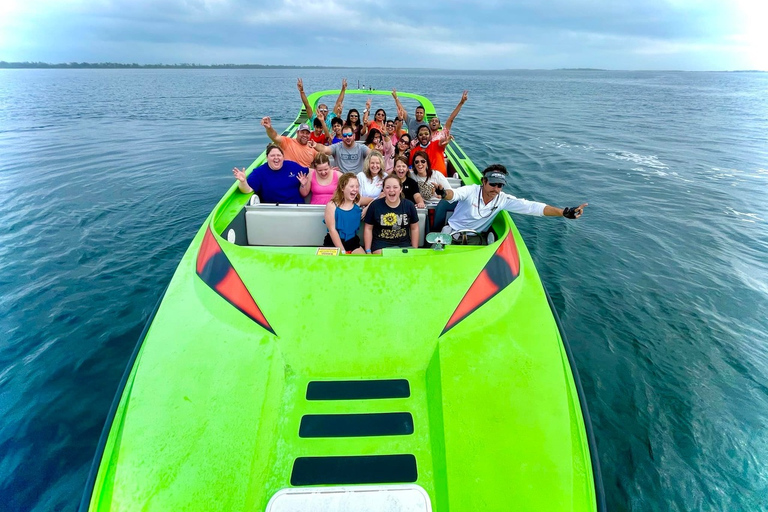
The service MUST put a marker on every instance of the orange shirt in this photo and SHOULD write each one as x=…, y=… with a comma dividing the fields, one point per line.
x=301, y=154
x=436, y=155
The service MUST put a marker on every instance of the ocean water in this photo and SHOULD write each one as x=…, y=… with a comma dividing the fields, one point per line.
x=662, y=286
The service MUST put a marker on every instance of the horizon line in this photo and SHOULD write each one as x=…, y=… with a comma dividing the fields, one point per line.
x=119, y=65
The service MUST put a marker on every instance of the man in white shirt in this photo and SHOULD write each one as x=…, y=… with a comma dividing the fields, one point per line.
x=478, y=204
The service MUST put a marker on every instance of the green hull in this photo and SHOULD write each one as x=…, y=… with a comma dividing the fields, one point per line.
x=215, y=409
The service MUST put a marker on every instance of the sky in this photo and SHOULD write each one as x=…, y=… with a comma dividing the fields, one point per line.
x=482, y=34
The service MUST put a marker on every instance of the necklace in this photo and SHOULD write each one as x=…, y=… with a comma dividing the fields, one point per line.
x=479, y=200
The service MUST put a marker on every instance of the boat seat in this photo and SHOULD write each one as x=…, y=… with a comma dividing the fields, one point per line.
x=296, y=225
x=454, y=182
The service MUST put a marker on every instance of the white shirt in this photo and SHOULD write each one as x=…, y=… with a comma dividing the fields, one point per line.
x=436, y=179
x=370, y=188
x=473, y=213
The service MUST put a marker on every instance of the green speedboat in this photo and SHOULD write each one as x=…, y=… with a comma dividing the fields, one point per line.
x=273, y=377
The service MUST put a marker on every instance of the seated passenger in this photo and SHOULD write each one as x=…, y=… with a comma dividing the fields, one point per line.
x=413, y=123
x=347, y=154
x=320, y=134
x=403, y=147
x=296, y=150
x=353, y=120
x=380, y=142
x=371, y=178
x=277, y=181
x=435, y=149
x=427, y=179
x=410, y=187
x=478, y=205
x=396, y=129
x=322, y=180
x=336, y=125
x=379, y=118
x=342, y=216
x=391, y=221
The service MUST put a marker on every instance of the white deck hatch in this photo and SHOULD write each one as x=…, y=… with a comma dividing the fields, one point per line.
x=368, y=498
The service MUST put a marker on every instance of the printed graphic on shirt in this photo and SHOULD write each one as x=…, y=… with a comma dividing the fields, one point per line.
x=393, y=225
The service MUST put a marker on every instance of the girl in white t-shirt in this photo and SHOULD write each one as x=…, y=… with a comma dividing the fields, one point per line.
x=371, y=178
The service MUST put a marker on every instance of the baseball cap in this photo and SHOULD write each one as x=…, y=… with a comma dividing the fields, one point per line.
x=303, y=126
x=496, y=177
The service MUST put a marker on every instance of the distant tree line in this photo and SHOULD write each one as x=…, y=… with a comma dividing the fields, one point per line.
x=117, y=65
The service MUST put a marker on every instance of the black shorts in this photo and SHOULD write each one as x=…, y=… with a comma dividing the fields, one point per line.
x=384, y=244
x=349, y=245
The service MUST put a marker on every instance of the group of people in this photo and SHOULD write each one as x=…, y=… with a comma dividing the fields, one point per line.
x=379, y=170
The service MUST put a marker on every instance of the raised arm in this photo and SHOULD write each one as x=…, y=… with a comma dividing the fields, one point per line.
x=320, y=148
x=266, y=122
x=306, y=182
x=326, y=130
x=242, y=182
x=338, y=107
x=304, y=100
x=400, y=110
x=366, y=116
x=455, y=112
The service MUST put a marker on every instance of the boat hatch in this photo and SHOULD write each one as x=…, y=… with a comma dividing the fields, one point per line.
x=381, y=498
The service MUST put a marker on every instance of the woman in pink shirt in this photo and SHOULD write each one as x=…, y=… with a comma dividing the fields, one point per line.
x=321, y=181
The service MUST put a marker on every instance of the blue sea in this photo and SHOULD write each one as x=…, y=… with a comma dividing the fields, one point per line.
x=662, y=285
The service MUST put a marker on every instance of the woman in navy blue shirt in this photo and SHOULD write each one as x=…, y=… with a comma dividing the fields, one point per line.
x=277, y=181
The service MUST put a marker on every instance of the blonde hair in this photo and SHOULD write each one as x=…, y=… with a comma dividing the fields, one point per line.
x=338, y=194
x=367, y=164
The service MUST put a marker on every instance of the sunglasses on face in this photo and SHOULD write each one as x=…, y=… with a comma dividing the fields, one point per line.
x=403, y=141
x=347, y=134
x=419, y=161
x=496, y=185
x=323, y=110
x=353, y=115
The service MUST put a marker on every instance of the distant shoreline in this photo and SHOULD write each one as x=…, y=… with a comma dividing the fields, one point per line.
x=117, y=65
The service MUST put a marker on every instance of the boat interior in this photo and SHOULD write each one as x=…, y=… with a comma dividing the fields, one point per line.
x=302, y=225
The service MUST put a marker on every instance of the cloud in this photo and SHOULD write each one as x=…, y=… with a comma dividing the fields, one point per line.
x=487, y=34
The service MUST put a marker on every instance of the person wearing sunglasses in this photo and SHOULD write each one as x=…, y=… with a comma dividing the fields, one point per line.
x=347, y=154
x=427, y=179
x=353, y=120
x=434, y=148
x=403, y=146
x=322, y=108
x=478, y=205
x=395, y=129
